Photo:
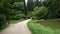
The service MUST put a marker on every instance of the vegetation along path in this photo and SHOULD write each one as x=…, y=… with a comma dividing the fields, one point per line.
x=19, y=28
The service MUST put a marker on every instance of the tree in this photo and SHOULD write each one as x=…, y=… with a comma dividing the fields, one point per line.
x=53, y=7
x=19, y=10
x=6, y=12
x=18, y=7
x=17, y=1
x=25, y=9
x=37, y=3
x=30, y=5
x=57, y=8
x=6, y=7
x=2, y=21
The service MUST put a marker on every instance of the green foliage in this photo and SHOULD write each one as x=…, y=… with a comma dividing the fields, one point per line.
x=40, y=12
x=5, y=4
x=44, y=27
x=38, y=28
x=37, y=3
x=6, y=12
x=9, y=11
x=30, y=5
x=2, y=17
x=18, y=5
x=19, y=16
x=53, y=7
x=2, y=21
x=6, y=8
x=2, y=26
x=17, y=0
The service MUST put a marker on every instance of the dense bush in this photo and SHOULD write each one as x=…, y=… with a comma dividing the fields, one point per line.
x=2, y=21
x=2, y=17
x=19, y=10
x=40, y=12
x=18, y=16
x=53, y=8
x=18, y=6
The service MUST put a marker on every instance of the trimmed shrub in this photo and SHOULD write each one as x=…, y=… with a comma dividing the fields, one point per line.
x=39, y=12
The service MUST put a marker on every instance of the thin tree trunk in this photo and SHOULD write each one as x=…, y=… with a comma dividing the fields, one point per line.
x=25, y=9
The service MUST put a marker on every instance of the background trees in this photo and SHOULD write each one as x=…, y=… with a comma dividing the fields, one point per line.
x=17, y=9
x=30, y=5
x=37, y=3
x=10, y=10
x=53, y=6
x=5, y=12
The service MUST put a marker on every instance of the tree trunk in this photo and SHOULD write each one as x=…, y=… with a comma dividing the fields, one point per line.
x=25, y=9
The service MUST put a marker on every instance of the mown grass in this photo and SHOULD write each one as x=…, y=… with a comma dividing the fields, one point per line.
x=54, y=24
x=44, y=27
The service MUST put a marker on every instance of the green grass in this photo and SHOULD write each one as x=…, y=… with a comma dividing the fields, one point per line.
x=54, y=24
x=44, y=27
x=15, y=21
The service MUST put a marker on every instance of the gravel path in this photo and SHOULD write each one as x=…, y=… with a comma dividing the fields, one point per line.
x=19, y=28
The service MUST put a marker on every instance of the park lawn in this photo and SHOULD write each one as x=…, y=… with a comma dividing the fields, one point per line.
x=44, y=27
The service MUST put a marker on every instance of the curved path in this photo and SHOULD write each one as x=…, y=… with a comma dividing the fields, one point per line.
x=19, y=28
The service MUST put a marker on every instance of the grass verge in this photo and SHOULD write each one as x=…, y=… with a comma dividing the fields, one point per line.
x=43, y=28
x=15, y=21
